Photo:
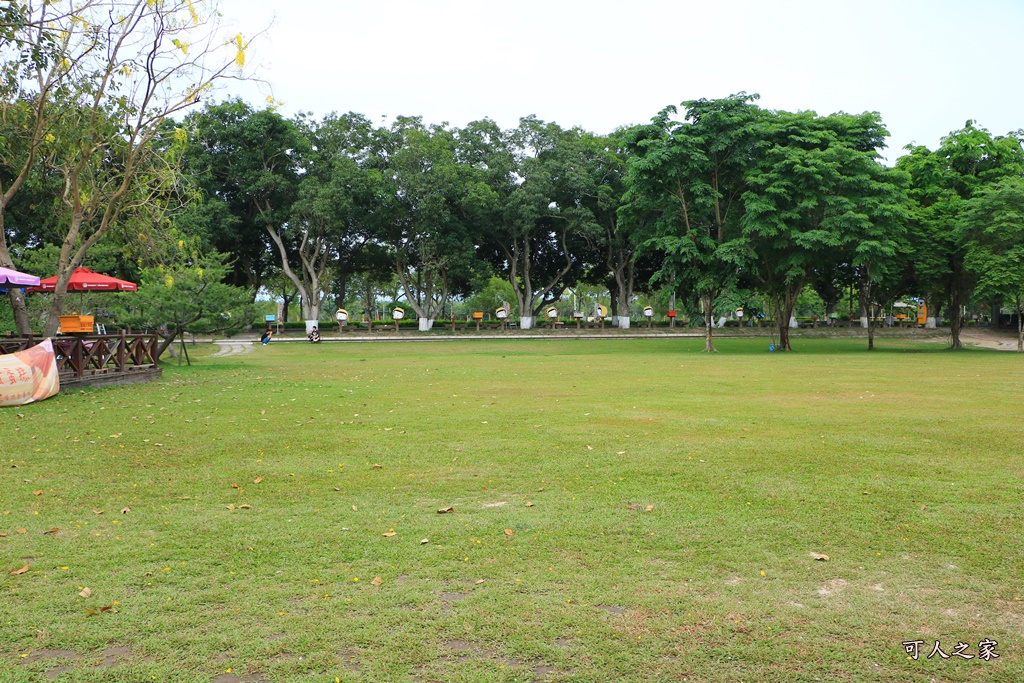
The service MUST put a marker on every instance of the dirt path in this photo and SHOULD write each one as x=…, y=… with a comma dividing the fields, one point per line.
x=231, y=349
x=989, y=341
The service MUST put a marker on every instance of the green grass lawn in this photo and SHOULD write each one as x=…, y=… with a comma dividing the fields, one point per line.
x=624, y=510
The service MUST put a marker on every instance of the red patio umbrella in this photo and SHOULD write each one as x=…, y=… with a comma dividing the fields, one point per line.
x=84, y=280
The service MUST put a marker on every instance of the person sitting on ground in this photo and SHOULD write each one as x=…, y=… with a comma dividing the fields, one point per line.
x=265, y=337
x=314, y=336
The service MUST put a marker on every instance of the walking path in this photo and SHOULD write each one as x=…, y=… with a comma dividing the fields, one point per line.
x=989, y=341
x=231, y=348
x=413, y=336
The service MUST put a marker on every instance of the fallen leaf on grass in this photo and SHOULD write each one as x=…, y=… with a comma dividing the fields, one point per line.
x=85, y=592
x=3, y=534
x=377, y=467
x=621, y=453
x=508, y=532
x=819, y=557
x=589, y=447
x=424, y=541
x=389, y=534
x=91, y=612
x=377, y=581
x=257, y=480
x=230, y=506
x=97, y=512
x=540, y=489
x=125, y=510
x=450, y=508
x=20, y=571
x=633, y=506
x=52, y=532
x=529, y=505
x=20, y=530
x=37, y=493
x=336, y=488
x=234, y=485
x=355, y=509
x=649, y=508
x=478, y=582
x=245, y=506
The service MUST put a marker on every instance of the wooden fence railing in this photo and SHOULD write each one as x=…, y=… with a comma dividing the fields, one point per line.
x=88, y=355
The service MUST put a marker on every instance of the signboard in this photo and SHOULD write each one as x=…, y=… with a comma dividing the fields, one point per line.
x=270, y=318
x=29, y=375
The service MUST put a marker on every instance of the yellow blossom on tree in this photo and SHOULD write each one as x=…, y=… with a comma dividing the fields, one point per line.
x=240, y=55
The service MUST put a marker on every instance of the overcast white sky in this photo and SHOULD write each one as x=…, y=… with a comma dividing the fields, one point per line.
x=926, y=65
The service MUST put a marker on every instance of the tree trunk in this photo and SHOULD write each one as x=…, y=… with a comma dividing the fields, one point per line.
x=56, y=309
x=21, y=321
x=1020, y=331
x=865, y=306
x=865, y=295
x=955, y=320
x=830, y=307
x=784, y=312
x=931, y=321
x=709, y=322
x=341, y=285
x=1020, y=326
x=167, y=340
x=623, y=296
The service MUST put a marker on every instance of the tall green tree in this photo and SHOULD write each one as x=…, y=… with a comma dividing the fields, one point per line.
x=218, y=159
x=426, y=219
x=250, y=163
x=341, y=189
x=536, y=227
x=690, y=177
x=817, y=185
x=941, y=183
x=992, y=225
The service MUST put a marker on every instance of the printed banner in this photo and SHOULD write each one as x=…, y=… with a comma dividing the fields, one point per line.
x=29, y=375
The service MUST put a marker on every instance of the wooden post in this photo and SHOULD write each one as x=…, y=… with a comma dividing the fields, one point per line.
x=76, y=358
x=122, y=340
